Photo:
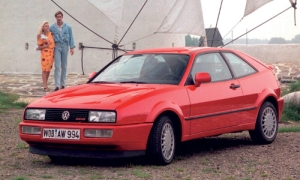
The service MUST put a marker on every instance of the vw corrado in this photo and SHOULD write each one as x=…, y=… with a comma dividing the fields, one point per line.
x=146, y=102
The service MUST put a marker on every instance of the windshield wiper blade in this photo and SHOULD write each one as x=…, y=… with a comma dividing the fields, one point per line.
x=137, y=82
x=104, y=82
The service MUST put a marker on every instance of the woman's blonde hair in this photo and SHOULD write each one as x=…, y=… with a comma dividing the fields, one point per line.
x=41, y=27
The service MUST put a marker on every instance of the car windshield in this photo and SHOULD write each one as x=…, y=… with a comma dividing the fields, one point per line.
x=145, y=68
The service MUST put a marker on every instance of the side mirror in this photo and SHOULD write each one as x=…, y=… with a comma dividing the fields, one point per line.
x=92, y=75
x=202, y=77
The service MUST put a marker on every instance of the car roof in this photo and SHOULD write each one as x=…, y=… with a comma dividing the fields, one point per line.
x=176, y=50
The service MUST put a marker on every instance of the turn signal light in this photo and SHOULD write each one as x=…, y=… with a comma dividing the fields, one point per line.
x=31, y=130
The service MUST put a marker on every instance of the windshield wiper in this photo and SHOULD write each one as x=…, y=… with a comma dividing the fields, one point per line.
x=137, y=82
x=104, y=82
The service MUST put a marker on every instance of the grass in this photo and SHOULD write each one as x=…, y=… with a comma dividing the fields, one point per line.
x=179, y=169
x=266, y=162
x=20, y=178
x=251, y=170
x=47, y=176
x=264, y=175
x=83, y=171
x=95, y=177
x=140, y=174
x=137, y=171
x=291, y=111
x=289, y=129
x=64, y=172
x=203, y=161
x=229, y=178
x=295, y=87
x=9, y=101
x=22, y=146
x=209, y=170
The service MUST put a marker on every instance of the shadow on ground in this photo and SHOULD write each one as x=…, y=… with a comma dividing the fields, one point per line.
x=185, y=151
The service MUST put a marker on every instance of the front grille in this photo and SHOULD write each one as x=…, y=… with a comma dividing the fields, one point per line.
x=75, y=115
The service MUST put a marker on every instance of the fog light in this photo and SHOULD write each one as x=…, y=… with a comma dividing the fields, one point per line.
x=31, y=130
x=98, y=133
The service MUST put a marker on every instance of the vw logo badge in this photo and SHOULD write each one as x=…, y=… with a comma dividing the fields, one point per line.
x=65, y=115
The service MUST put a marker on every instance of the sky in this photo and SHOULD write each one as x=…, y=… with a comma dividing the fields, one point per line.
x=231, y=17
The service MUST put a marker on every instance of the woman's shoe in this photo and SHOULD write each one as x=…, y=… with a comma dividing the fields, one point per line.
x=46, y=89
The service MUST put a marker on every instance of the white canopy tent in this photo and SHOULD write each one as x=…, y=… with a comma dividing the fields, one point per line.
x=172, y=16
x=250, y=7
x=183, y=17
x=253, y=5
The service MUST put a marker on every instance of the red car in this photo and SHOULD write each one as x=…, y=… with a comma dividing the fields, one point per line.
x=146, y=102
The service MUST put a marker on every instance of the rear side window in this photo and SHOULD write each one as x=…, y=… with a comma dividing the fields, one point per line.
x=239, y=67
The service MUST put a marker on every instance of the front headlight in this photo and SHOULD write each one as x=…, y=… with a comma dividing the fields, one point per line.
x=35, y=114
x=102, y=116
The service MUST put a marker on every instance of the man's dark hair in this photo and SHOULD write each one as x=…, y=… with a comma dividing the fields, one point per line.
x=59, y=12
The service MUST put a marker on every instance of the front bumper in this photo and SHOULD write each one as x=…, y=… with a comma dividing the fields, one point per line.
x=127, y=140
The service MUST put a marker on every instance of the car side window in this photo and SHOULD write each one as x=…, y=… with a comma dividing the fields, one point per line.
x=239, y=67
x=212, y=63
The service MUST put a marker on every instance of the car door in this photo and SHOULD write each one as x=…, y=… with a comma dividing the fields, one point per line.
x=214, y=105
x=250, y=82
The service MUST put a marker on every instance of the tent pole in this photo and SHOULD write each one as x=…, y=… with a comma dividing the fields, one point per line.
x=133, y=21
x=212, y=42
x=81, y=23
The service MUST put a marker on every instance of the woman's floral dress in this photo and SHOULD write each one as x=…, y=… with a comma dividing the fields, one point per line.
x=47, y=54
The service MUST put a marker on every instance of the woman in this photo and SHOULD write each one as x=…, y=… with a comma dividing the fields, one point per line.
x=46, y=44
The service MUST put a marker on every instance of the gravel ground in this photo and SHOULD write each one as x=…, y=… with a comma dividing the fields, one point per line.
x=226, y=157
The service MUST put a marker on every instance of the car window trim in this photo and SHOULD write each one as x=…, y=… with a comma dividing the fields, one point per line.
x=231, y=69
x=203, y=53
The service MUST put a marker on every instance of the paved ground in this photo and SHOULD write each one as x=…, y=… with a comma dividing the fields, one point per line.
x=30, y=87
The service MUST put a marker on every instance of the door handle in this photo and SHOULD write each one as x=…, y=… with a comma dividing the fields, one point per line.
x=234, y=86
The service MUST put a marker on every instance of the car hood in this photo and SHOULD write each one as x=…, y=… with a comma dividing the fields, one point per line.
x=93, y=96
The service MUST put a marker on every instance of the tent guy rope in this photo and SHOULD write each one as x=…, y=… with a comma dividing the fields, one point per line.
x=258, y=26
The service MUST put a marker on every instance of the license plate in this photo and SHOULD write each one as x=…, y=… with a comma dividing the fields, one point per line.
x=61, y=133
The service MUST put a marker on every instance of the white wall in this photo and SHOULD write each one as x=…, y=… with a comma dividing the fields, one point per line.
x=20, y=20
x=271, y=53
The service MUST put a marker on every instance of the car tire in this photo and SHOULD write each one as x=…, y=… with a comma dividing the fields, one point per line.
x=161, y=144
x=266, y=126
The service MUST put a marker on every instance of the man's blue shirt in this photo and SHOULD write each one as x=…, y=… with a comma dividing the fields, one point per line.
x=64, y=36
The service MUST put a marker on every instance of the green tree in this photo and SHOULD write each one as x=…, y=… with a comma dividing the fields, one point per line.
x=277, y=40
x=188, y=40
x=296, y=39
x=191, y=41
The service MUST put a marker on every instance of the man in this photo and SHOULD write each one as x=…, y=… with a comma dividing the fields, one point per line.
x=63, y=38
